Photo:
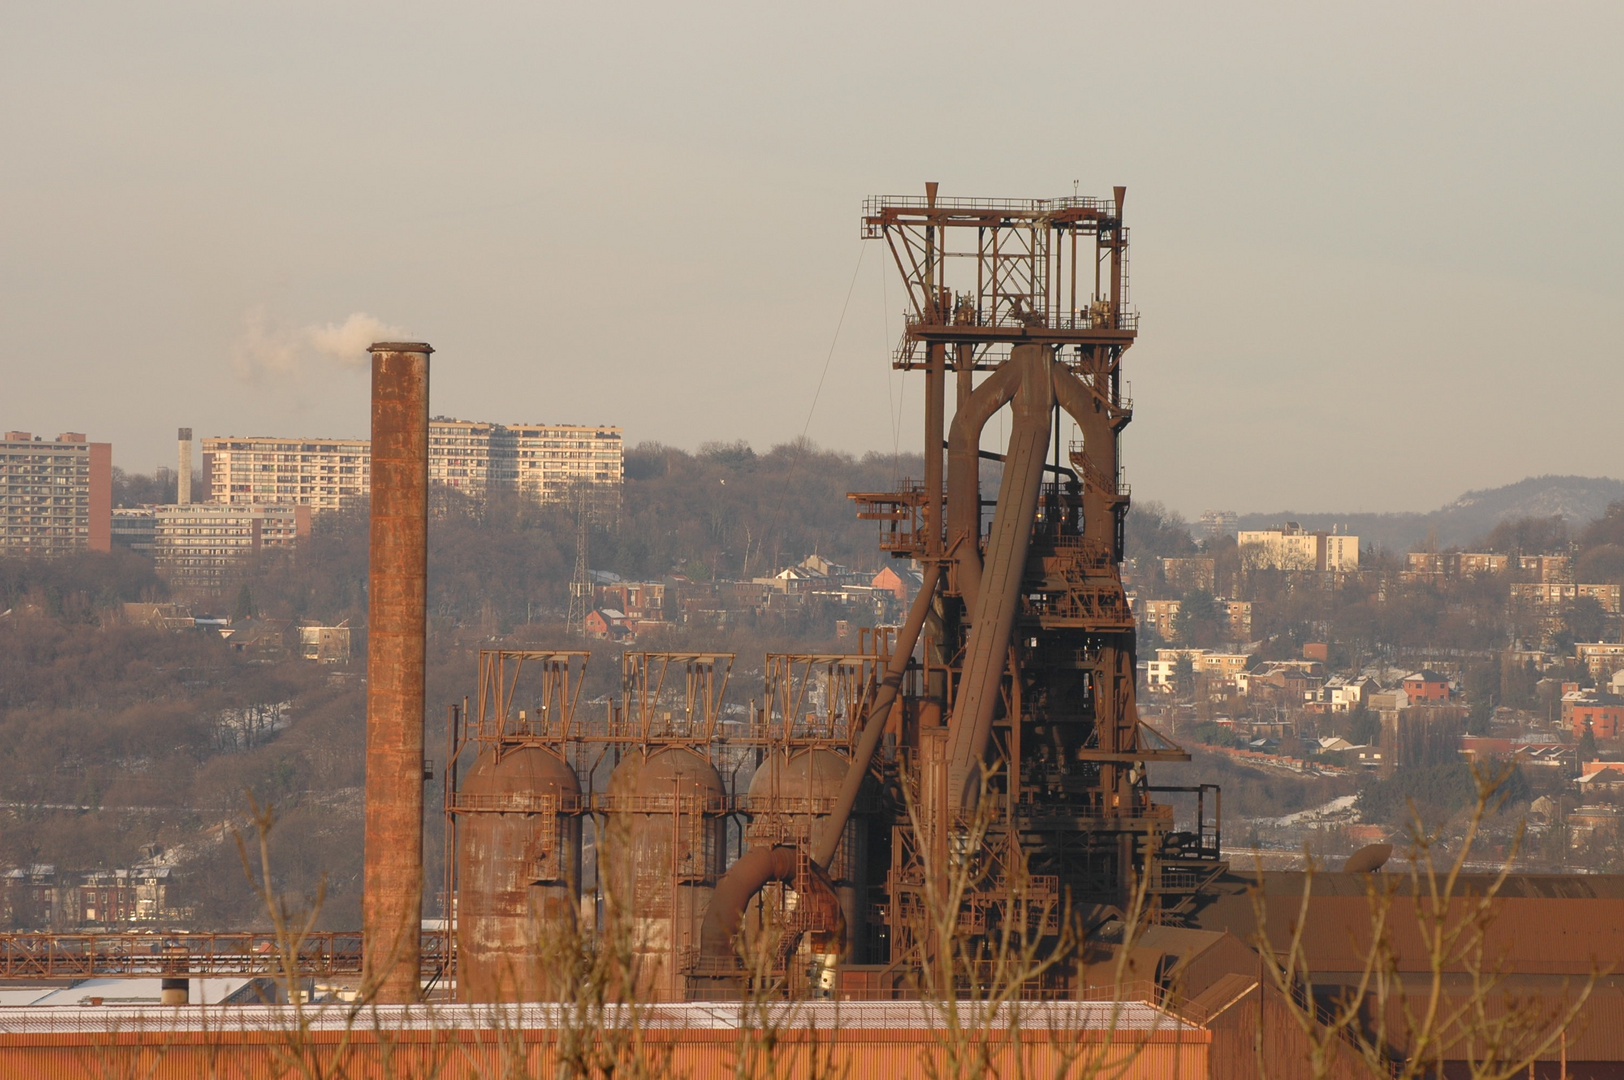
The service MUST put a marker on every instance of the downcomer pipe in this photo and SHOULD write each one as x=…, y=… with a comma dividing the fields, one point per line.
x=758, y=866
x=397, y=601
x=987, y=651
x=964, y=475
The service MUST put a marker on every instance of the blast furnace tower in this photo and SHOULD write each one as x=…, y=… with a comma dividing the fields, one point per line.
x=1025, y=690
x=993, y=737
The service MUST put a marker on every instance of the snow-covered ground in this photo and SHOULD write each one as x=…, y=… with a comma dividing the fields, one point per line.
x=1338, y=809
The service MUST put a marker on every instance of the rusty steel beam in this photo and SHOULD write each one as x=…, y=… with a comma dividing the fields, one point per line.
x=397, y=605
x=144, y=955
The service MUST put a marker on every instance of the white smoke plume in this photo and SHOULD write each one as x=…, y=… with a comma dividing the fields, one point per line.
x=265, y=350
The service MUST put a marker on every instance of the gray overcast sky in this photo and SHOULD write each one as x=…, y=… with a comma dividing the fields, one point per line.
x=1377, y=247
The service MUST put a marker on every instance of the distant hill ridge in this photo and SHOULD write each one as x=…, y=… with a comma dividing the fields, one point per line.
x=1578, y=499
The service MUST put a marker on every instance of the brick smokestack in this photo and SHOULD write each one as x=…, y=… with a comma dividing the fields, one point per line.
x=396, y=605
x=183, y=471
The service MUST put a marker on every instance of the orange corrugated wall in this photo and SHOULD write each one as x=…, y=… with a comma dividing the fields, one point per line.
x=856, y=1054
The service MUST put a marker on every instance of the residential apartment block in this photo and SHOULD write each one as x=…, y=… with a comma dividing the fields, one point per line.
x=202, y=544
x=322, y=474
x=134, y=528
x=1237, y=616
x=1545, y=567
x=1601, y=657
x=543, y=461
x=1550, y=594
x=56, y=496
x=1220, y=668
x=1160, y=615
x=549, y=460
x=1437, y=565
x=1290, y=547
x=1193, y=573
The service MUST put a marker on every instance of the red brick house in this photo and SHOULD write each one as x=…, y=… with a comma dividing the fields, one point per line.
x=1426, y=686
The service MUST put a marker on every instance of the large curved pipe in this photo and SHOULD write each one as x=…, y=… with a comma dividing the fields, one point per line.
x=964, y=473
x=758, y=866
x=1098, y=420
x=987, y=652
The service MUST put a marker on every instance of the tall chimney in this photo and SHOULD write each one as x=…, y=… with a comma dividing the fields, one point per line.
x=397, y=599
x=183, y=474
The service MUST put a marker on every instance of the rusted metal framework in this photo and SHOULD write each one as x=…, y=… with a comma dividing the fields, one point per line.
x=1005, y=699
x=1027, y=663
x=84, y=956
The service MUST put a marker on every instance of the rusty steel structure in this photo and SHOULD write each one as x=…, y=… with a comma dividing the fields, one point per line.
x=655, y=778
x=200, y=954
x=397, y=604
x=1006, y=697
x=1022, y=693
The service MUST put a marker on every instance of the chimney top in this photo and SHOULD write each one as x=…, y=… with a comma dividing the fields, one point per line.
x=400, y=346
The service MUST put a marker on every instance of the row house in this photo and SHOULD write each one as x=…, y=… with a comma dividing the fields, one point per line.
x=38, y=897
x=1284, y=681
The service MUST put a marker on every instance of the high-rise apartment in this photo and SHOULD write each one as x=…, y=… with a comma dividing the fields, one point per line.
x=551, y=459
x=543, y=461
x=322, y=474
x=56, y=496
x=468, y=455
x=203, y=544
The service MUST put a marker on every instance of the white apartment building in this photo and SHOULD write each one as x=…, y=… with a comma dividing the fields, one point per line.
x=543, y=461
x=468, y=455
x=550, y=459
x=1221, y=668
x=203, y=543
x=323, y=474
x=1290, y=547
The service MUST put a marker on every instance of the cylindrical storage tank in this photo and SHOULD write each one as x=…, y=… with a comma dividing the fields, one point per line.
x=518, y=871
x=663, y=855
x=801, y=788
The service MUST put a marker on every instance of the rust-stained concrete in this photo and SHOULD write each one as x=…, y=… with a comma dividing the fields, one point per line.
x=397, y=602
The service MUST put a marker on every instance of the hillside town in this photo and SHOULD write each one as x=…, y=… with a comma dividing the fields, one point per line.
x=1283, y=651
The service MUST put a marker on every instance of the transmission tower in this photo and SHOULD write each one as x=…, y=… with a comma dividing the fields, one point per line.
x=581, y=581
